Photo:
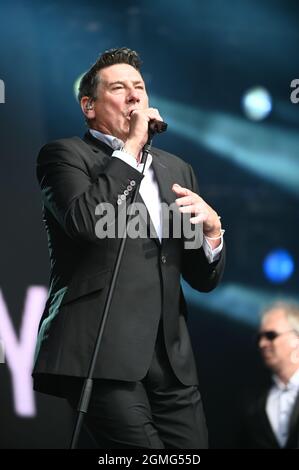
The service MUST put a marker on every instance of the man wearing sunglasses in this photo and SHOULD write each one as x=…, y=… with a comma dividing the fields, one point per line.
x=273, y=421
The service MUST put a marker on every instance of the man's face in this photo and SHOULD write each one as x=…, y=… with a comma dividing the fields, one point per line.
x=281, y=352
x=121, y=89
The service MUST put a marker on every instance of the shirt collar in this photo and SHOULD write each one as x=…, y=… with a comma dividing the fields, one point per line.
x=110, y=140
x=293, y=383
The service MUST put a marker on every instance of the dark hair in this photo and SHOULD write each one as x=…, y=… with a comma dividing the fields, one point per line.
x=122, y=55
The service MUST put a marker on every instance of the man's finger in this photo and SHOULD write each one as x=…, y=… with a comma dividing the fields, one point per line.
x=187, y=209
x=184, y=200
x=198, y=218
x=180, y=190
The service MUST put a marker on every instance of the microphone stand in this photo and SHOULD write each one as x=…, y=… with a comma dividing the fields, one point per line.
x=88, y=382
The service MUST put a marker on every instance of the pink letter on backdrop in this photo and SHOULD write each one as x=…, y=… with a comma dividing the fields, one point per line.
x=19, y=353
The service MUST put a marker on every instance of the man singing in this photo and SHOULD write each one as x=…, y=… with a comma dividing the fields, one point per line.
x=145, y=392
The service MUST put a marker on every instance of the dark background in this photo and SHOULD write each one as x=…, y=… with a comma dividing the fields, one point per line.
x=200, y=58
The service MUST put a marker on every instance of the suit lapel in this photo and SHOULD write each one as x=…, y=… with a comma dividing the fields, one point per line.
x=164, y=179
x=294, y=426
x=265, y=423
x=96, y=144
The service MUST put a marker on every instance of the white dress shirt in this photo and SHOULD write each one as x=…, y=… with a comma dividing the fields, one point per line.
x=149, y=190
x=280, y=404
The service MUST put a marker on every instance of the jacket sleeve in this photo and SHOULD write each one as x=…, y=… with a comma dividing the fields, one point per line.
x=69, y=192
x=196, y=270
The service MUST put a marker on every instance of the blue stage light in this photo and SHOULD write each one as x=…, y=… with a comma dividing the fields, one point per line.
x=257, y=103
x=278, y=266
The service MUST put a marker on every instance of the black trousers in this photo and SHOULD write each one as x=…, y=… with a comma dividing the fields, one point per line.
x=157, y=412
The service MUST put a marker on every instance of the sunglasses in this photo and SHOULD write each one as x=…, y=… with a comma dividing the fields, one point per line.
x=270, y=335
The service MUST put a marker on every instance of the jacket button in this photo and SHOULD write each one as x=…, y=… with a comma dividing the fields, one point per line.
x=163, y=259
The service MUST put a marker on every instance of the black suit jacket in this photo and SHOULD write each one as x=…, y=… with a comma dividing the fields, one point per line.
x=76, y=175
x=257, y=431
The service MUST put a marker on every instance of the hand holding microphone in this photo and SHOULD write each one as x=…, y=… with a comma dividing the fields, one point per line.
x=156, y=127
x=144, y=123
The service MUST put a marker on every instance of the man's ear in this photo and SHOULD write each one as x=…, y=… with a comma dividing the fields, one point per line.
x=87, y=106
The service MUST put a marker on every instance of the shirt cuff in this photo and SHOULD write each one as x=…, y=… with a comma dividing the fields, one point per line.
x=127, y=158
x=212, y=255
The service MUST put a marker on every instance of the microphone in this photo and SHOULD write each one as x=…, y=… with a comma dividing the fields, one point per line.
x=156, y=127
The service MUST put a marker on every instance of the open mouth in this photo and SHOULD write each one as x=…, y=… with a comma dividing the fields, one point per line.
x=129, y=113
